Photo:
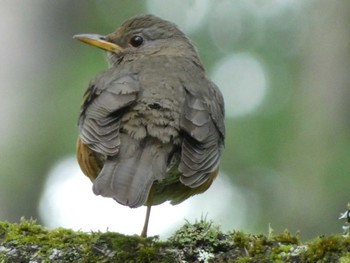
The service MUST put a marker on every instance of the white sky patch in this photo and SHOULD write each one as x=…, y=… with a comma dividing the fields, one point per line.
x=242, y=80
x=68, y=201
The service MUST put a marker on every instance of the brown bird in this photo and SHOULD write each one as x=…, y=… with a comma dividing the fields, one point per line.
x=151, y=126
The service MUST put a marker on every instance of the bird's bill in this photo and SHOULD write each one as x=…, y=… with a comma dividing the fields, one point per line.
x=98, y=41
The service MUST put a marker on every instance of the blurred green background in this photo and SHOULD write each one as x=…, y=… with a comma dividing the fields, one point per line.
x=284, y=69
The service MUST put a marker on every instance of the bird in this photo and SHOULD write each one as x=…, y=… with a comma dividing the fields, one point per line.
x=151, y=126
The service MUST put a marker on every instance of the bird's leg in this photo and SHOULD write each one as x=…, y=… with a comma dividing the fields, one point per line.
x=145, y=226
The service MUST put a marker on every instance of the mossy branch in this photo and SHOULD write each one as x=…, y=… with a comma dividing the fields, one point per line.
x=198, y=242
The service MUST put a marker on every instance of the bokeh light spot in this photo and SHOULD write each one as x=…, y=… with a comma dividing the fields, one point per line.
x=68, y=202
x=188, y=15
x=242, y=80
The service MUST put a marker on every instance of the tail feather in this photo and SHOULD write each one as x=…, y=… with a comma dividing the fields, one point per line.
x=128, y=177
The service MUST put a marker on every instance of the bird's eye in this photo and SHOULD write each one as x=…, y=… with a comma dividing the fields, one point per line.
x=136, y=41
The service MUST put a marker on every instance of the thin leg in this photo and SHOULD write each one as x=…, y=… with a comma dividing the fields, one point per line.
x=145, y=226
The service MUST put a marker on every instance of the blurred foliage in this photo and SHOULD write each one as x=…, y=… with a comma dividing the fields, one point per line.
x=293, y=152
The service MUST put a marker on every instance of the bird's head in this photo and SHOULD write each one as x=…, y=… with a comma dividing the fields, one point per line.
x=141, y=36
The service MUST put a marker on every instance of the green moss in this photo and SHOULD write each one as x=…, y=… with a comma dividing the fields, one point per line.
x=200, y=234
x=123, y=248
x=28, y=241
x=345, y=259
x=199, y=242
x=286, y=238
x=325, y=248
x=191, y=239
x=283, y=246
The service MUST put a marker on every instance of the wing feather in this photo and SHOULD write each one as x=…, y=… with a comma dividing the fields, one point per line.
x=106, y=98
x=203, y=126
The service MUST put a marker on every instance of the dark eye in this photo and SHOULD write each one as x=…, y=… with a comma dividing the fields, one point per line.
x=136, y=41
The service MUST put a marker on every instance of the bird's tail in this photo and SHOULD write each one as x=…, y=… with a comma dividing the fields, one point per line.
x=128, y=177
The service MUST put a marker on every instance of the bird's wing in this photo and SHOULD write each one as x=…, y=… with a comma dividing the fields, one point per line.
x=204, y=131
x=105, y=100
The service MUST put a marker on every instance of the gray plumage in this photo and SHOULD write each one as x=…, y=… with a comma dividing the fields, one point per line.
x=147, y=113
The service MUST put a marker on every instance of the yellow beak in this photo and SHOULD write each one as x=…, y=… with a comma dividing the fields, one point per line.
x=98, y=41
